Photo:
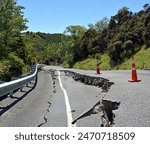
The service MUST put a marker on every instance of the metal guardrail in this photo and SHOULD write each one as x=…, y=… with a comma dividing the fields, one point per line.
x=9, y=87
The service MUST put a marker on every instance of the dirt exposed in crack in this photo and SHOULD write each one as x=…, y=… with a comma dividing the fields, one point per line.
x=104, y=83
x=44, y=117
x=52, y=73
x=53, y=76
x=104, y=107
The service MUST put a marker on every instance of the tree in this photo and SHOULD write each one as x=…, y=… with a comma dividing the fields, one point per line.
x=115, y=52
x=146, y=7
x=87, y=43
x=128, y=49
x=146, y=31
x=12, y=24
x=75, y=31
x=102, y=24
x=12, y=49
x=71, y=42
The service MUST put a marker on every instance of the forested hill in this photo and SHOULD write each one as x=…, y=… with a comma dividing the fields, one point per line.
x=112, y=40
x=51, y=38
x=120, y=37
x=19, y=49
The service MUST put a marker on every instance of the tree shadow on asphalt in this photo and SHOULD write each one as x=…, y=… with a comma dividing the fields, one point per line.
x=5, y=109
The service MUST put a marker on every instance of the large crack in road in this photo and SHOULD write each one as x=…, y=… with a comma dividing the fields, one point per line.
x=52, y=74
x=105, y=84
x=44, y=117
x=104, y=107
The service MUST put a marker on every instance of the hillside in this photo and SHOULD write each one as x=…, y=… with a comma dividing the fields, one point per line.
x=112, y=40
x=142, y=59
x=115, y=39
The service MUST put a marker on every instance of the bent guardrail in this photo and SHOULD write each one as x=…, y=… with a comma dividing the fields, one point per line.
x=9, y=87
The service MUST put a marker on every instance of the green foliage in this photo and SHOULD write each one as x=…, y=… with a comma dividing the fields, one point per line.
x=16, y=65
x=75, y=31
x=12, y=49
x=90, y=63
x=98, y=56
x=120, y=37
x=70, y=50
x=100, y=25
x=108, y=42
x=146, y=33
x=11, y=25
x=12, y=67
x=128, y=48
x=51, y=38
x=142, y=60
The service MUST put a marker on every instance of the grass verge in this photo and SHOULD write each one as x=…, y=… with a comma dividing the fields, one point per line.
x=142, y=60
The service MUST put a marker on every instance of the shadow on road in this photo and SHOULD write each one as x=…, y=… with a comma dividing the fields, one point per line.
x=5, y=109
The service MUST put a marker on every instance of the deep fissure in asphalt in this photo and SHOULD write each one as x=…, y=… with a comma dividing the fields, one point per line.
x=104, y=83
x=44, y=117
x=51, y=72
x=104, y=107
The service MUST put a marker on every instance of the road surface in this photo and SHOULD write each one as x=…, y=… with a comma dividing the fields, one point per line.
x=61, y=98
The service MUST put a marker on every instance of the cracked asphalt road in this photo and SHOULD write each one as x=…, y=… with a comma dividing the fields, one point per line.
x=32, y=106
x=44, y=105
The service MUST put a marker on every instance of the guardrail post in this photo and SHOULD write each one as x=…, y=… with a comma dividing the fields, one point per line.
x=21, y=89
x=27, y=85
x=11, y=94
x=17, y=83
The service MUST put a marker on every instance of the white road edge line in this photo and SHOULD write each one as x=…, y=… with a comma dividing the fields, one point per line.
x=68, y=108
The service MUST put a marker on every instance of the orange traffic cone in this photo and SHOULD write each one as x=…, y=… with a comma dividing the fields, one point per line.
x=134, y=74
x=97, y=69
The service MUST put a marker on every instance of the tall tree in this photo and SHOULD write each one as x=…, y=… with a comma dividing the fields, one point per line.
x=102, y=24
x=12, y=49
x=74, y=34
x=75, y=31
x=12, y=24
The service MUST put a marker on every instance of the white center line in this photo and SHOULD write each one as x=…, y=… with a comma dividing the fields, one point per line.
x=68, y=108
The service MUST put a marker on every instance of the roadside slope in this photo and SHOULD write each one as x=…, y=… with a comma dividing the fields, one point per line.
x=142, y=59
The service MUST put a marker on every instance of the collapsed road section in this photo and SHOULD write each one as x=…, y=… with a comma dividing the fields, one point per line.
x=105, y=84
x=104, y=107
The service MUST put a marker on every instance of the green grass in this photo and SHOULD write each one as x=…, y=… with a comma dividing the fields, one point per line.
x=142, y=56
x=90, y=63
x=86, y=64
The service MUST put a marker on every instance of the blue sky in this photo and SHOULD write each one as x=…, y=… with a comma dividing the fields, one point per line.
x=53, y=16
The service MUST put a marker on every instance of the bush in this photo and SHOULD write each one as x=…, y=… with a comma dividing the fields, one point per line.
x=13, y=67
x=16, y=65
